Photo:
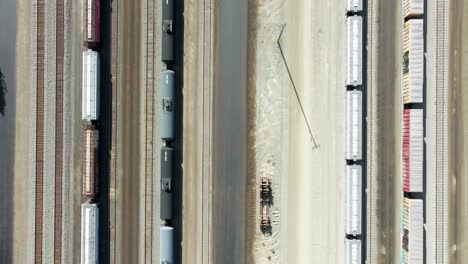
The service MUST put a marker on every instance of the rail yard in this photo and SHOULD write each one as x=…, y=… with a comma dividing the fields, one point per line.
x=250, y=131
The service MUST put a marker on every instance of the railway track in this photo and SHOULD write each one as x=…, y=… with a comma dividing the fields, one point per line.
x=441, y=130
x=149, y=122
x=371, y=108
x=58, y=132
x=39, y=206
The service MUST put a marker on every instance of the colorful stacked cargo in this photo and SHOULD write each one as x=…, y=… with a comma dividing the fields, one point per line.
x=91, y=136
x=413, y=61
x=353, y=199
x=413, y=150
x=413, y=231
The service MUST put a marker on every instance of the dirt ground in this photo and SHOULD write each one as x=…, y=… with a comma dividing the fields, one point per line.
x=22, y=128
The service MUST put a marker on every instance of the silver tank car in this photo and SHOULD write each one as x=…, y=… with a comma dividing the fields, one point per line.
x=166, y=245
x=166, y=183
x=168, y=105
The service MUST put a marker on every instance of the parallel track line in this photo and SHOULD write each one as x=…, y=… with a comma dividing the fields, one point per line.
x=38, y=231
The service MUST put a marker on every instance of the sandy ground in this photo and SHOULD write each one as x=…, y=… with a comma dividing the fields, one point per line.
x=197, y=245
x=312, y=213
x=458, y=132
x=21, y=183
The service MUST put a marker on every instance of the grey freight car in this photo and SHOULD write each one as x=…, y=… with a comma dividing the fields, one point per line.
x=166, y=254
x=89, y=233
x=167, y=33
x=354, y=51
x=353, y=251
x=354, y=6
x=166, y=183
x=353, y=199
x=168, y=104
x=353, y=125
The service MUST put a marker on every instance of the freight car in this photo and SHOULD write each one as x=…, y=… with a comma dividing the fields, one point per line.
x=353, y=251
x=166, y=183
x=354, y=51
x=413, y=231
x=168, y=105
x=89, y=233
x=413, y=8
x=167, y=54
x=166, y=245
x=353, y=6
x=413, y=61
x=413, y=150
x=90, y=168
x=353, y=199
x=91, y=22
x=90, y=88
x=353, y=125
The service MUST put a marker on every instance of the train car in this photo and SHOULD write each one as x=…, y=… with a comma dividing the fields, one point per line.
x=89, y=233
x=90, y=88
x=353, y=251
x=413, y=150
x=354, y=51
x=353, y=199
x=166, y=183
x=413, y=8
x=166, y=252
x=167, y=36
x=353, y=6
x=353, y=128
x=168, y=105
x=91, y=22
x=412, y=231
x=413, y=61
x=90, y=163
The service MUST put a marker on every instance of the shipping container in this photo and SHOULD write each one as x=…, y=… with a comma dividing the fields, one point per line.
x=90, y=163
x=353, y=199
x=354, y=6
x=167, y=36
x=168, y=105
x=413, y=61
x=413, y=150
x=354, y=51
x=166, y=245
x=90, y=88
x=89, y=233
x=166, y=183
x=91, y=22
x=412, y=231
x=353, y=125
x=353, y=251
x=413, y=8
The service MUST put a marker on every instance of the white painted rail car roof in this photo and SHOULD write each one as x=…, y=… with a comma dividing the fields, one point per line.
x=413, y=232
x=353, y=125
x=353, y=199
x=354, y=51
x=89, y=233
x=90, y=89
x=353, y=5
x=413, y=8
x=413, y=61
x=353, y=251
